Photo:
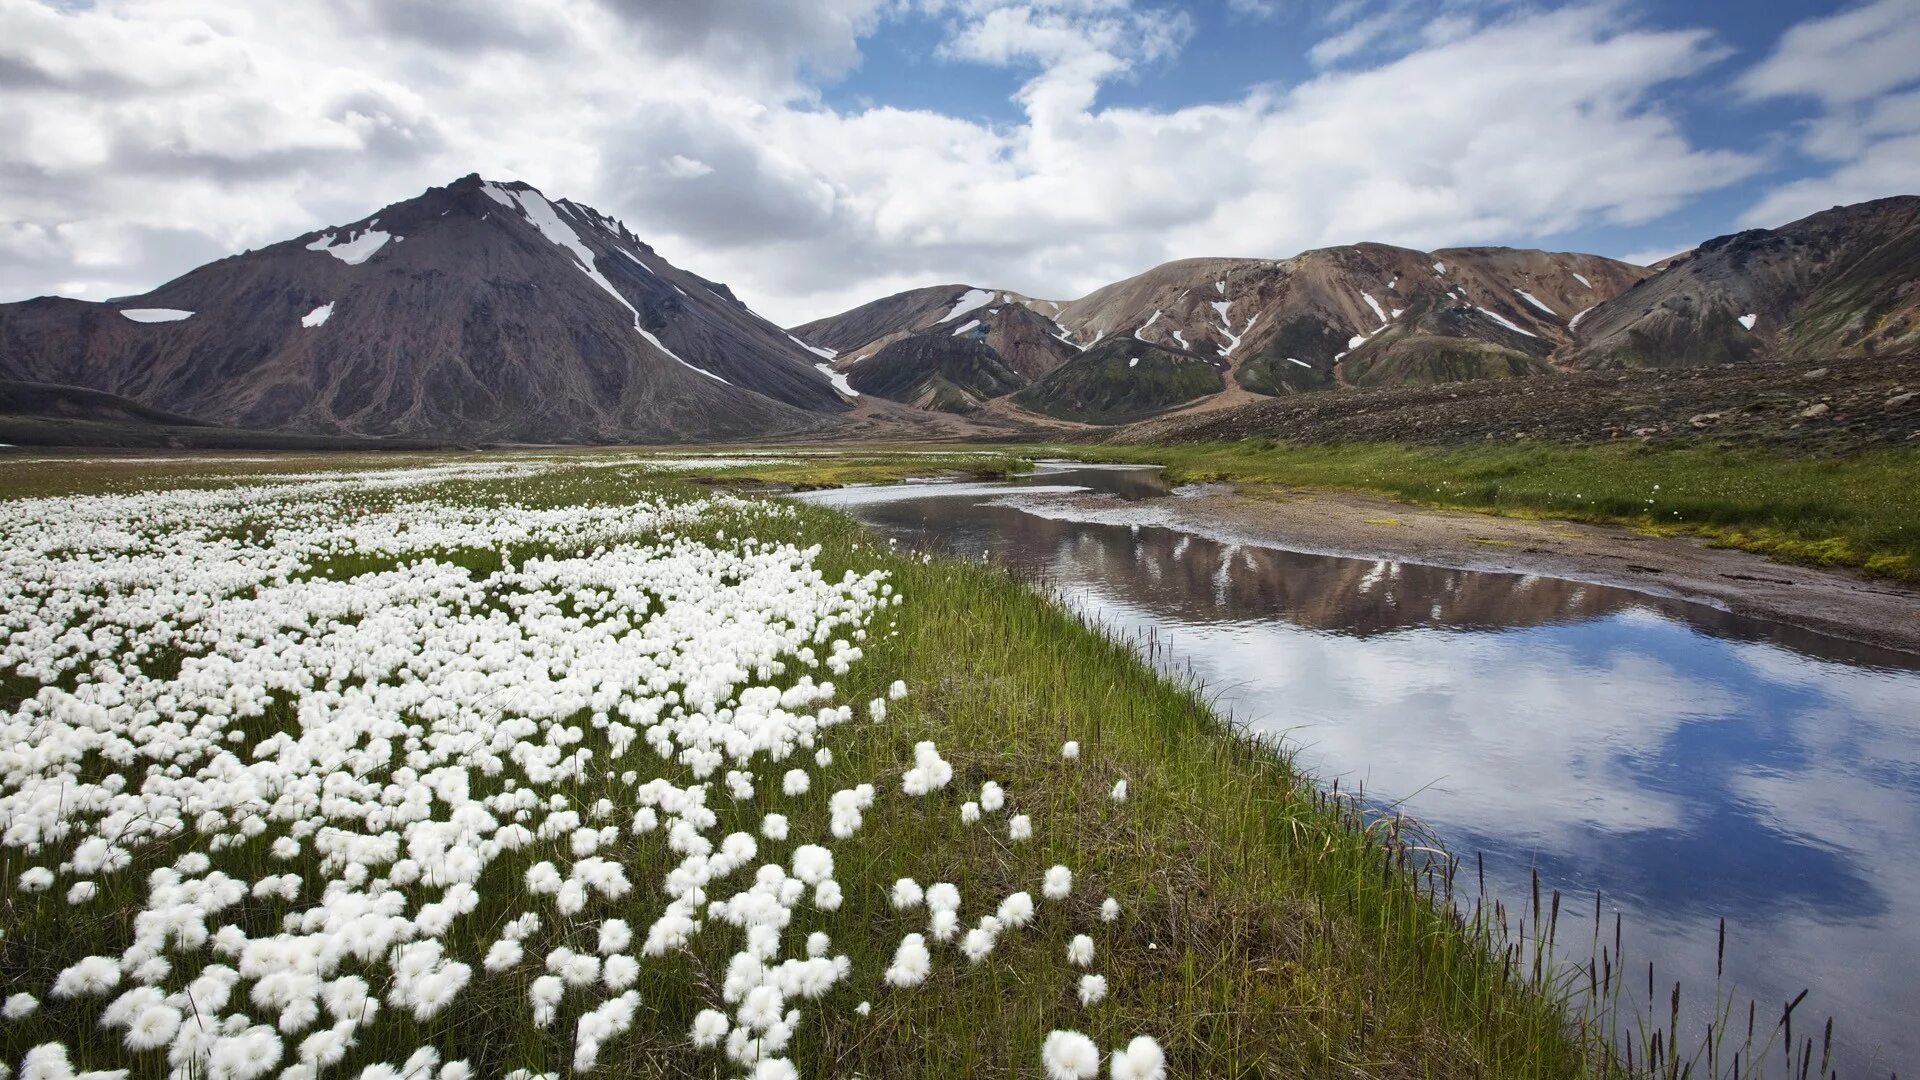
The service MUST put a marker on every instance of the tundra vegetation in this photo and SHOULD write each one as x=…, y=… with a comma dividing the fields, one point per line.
x=554, y=764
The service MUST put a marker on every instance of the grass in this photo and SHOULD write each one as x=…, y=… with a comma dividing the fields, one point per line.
x=1267, y=928
x=1860, y=511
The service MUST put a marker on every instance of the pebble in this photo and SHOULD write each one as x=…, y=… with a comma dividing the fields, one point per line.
x=1817, y=409
x=1816, y=373
x=1898, y=400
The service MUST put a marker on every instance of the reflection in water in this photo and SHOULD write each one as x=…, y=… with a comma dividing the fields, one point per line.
x=1685, y=762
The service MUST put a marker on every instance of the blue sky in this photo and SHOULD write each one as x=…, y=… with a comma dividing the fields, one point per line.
x=818, y=153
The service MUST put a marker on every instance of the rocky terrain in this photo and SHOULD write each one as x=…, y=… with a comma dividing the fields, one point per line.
x=1836, y=406
x=1843, y=282
x=1362, y=315
x=476, y=312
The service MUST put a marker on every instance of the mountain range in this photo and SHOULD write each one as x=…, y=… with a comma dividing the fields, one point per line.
x=484, y=313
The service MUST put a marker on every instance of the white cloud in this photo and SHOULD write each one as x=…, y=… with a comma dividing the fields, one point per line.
x=149, y=137
x=1862, y=65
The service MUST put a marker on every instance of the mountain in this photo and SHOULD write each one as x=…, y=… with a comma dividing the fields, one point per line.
x=1843, y=282
x=1361, y=315
x=474, y=312
x=947, y=347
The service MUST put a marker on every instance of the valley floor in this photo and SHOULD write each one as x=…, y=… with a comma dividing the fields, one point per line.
x=1260, y=928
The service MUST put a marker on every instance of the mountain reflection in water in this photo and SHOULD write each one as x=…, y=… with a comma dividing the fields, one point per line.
x=1686, y=762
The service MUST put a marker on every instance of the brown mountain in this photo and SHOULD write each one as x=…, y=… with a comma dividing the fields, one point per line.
x=1843, y=282
x=948, y=347
x=474, y=312
x=1362, y=315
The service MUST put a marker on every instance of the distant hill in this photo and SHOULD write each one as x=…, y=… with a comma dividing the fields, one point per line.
x=474, y=312
x=1843, y=282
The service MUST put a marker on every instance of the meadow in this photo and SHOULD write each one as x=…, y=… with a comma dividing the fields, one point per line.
x=544, y=766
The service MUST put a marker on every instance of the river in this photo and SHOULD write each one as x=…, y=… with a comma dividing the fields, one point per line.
x=1683, y=762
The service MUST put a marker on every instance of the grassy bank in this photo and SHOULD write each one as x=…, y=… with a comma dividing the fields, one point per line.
x=1861, y=510
x=1262, y=930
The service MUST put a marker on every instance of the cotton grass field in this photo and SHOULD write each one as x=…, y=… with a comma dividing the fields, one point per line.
x=553, y=765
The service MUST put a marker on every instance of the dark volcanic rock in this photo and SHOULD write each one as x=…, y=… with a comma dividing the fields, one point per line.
x=474, y=312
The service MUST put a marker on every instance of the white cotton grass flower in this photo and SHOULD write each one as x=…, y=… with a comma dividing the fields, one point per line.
x=19, y=1006
x=1080, y=951
x=818, y=944
x=911, y=962
x=1069, y=1055
x=774, y=827
x=1058, y=883
x=823, y=757
x=978, y=944
x=1109, y=909
x=943, y=896
x=992, y=797
x=969, y=812
x=865, y=1008
x=1093, y=990
x=36, y=879
x=943, y=924
x=81, y=892
x=1141, y=1060
x=1016, y=910
x=898, y=690
x=877, y=710
x=709, y=1028
x=1019, y=828
x=154, y=1027
x=1070, y=750
x=502, y=955
x=795, y=782
x=615, y=936
x=1120, y=791
x=930, y=771
x=907, y=894
x=91, y=976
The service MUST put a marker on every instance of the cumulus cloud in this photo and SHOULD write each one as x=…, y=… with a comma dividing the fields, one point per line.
x=148, y=138
x=1862, y=66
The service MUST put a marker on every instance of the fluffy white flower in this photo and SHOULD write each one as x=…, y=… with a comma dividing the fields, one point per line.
x=774, y=827
x=977, y=944
x=1058, y=884
x=1109, y=909
x=942, y=896
x=615, y=936
x=911, y=962
x=992, y=798
x=19, y=1006
x=943, y=924
x=969, y=812
x=812, y=863
x=502, y=955
x=898, y=690
x=90, y=976
x=1093, y=990
x=1070, y=750
x=709, y=1027
x=795, y=782
x=1120, y=791
x=1019, y=828
x=1080, y=951
x=1141, y=1060
x=1016, y=910
x=907, y=894
x=81, y=892
x=1069, y=1055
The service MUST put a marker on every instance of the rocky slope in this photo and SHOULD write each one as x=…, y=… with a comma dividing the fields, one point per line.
x=1363, y=315
x=474, y=312
x=1843, y=282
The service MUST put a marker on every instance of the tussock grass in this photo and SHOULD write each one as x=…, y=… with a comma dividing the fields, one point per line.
x=1861, y=510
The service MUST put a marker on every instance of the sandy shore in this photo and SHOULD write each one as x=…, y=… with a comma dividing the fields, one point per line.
x=1833, y=602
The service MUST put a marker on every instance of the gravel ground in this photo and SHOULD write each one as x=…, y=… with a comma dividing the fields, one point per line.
x=1836, y=407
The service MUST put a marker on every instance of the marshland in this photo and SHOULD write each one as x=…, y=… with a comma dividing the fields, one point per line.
x=561, y=763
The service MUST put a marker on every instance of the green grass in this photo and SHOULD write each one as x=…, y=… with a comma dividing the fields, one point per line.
x=1861, y=510
x=1266, y=929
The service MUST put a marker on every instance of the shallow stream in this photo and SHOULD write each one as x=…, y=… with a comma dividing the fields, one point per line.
x=1684, y=762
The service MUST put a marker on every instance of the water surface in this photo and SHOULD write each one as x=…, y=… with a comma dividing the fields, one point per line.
x=1684, y=762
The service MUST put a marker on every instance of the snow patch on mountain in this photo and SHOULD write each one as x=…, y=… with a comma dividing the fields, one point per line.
x=1503, y=321
x=318, y=316
x=825, y=354
x=838, y=380
x=1378, y=312
x=1747, y=321
x=353, y=251
x=969, y=300
x=155, y=314
x=1535, y=301
x=540, y=213
x=1582, y=280
x=966, y=327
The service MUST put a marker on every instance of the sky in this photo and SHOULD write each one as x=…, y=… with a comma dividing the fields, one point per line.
x=816, y=154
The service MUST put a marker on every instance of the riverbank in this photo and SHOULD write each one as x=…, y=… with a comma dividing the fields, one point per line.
x=1860, y=511
x=1259, y=928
